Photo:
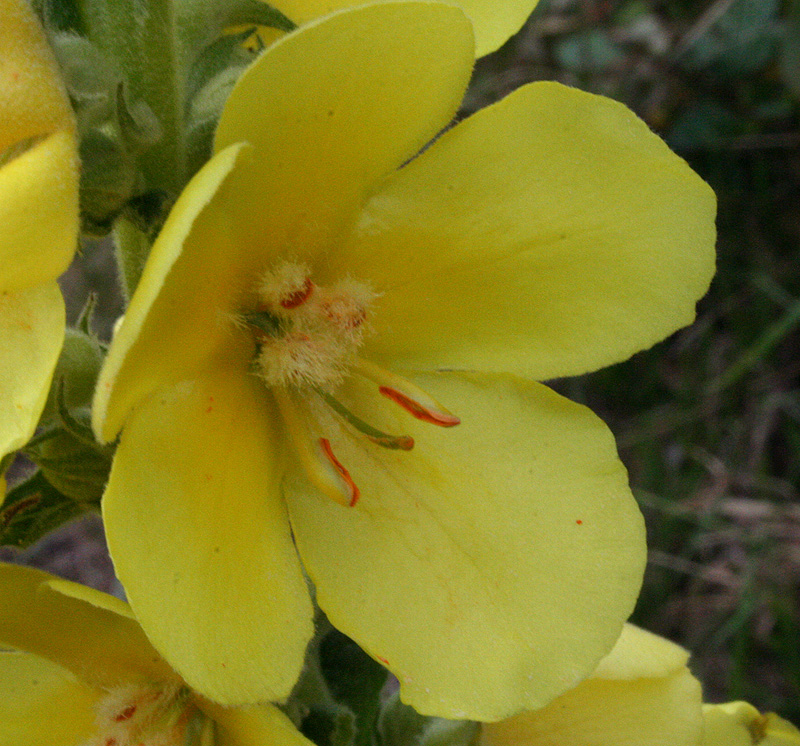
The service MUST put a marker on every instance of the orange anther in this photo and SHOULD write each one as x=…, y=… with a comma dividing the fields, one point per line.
x=343, y=473
x=298, y=297
x=417, y=410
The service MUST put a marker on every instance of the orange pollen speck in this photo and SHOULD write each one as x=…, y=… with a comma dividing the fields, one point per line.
x=298, y=297
x=343, y=473
x=417, y=410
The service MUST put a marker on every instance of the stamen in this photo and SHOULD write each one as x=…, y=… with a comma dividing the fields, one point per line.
x=426, y=414
x=401, y=442
x=133, y=715
x=207, y=734
x=323, y=469
x=298, y=297
x=355, y=493
x=410, y=397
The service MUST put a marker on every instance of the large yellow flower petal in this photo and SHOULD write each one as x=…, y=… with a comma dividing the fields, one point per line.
x=31, y=334
x=201, y=541
x=32, y=101
x=741, y=724
x=494, y=21
x=82, y=631
x=178, y=315
x=548, y=235
x=38, y=212
x=42, y=704
x=333, y=108
x=253, y=726
x=509, y=546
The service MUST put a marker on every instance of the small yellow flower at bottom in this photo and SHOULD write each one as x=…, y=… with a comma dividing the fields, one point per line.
x=741, y=724
x=82, y=673
x=38, y=219
x=641, y=694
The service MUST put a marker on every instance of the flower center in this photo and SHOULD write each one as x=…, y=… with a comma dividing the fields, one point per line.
x=306, y=335
x=307, y=338
x=142, y=715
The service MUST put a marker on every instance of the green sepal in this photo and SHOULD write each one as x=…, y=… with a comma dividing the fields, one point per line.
x=73, y=466
x=401, y=725
x=60, y=15
x=256, y=13
x=109, y=179
x=215, y=58
x=33, y=509
x=329, y=725
x=355, y=680
x=441, y=732
x=65, y=448
x=131, y=248
x=138, y=125
x=89, y=76
x=337, y=698
x=210, y=80
x=76, y=371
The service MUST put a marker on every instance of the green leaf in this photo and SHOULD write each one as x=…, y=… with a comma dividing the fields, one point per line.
x=33, y=509
x=588, y=52
x=790, y=57
x=739, y=41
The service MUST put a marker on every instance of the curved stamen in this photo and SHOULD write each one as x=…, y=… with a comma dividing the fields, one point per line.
x=343, y=473
x=323, y=469
x=404, y=393
x=401, y=442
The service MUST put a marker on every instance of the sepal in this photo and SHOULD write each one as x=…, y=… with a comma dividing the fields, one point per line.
x=33, y=509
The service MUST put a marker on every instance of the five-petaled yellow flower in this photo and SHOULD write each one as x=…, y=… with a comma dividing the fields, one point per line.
x=493, y=21
x=641, y=694
x=82, y=673
x=38, y=219
x=326, y=304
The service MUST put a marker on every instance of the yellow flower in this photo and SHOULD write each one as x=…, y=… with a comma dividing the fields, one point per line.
x=494, y=21
x=89, y=677
x=38, y=219
x=299, y=327
x=642, y=694
x=741, y=724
